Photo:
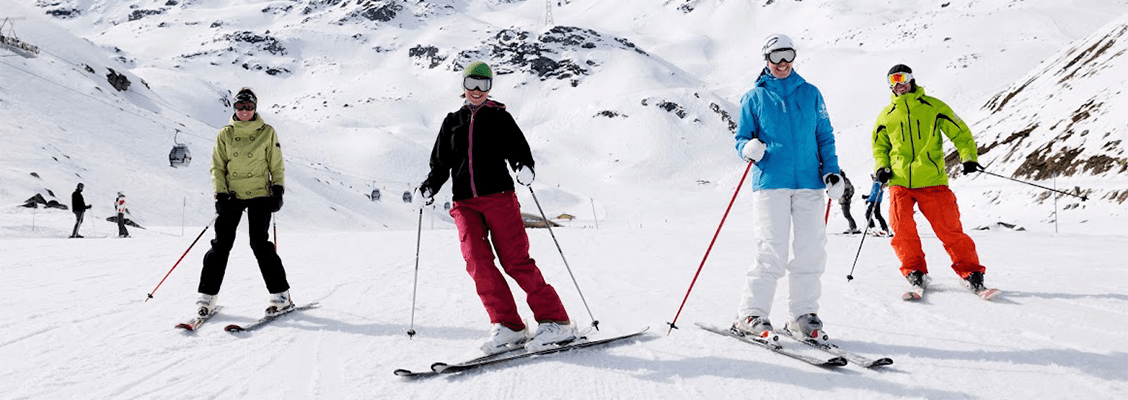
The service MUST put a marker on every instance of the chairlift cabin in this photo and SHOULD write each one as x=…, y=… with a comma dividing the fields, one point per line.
x=407, y=196
x=12, y=42
x=375, y=195
x=179, y=156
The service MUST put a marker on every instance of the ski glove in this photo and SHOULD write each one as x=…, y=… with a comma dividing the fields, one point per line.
x=525, y=175
x=971, y=166
x=423, y=196
x=883, y=175
x=835, y=187
x=753, y=151
x=276, y=194
x=224, y=202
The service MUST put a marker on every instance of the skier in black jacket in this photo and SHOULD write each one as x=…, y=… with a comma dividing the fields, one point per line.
x=79, y=207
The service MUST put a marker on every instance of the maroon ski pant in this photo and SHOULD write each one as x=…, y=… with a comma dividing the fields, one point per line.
x=496, y=218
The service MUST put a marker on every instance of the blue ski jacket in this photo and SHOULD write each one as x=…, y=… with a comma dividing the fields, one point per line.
x=876, y=193
x=789, y=115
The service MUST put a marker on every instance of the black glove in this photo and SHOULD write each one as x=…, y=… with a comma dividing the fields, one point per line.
x=971, y=166
x=831, y=179
x=276, y=194
x=88, y=207
x=884, y=174
x=224, y=202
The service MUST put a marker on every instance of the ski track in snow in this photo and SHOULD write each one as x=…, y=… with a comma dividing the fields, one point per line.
x=1044, y=333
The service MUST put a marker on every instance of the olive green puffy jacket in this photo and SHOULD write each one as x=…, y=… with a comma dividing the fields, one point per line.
x=907, y=139
x=247, y=159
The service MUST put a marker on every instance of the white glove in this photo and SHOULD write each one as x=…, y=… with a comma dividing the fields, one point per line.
x=525, y=175
x=835, y=186
x=753, y=151
x=423, y=197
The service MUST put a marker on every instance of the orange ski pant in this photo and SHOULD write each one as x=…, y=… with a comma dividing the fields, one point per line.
x=938, y=204
x=496, y=218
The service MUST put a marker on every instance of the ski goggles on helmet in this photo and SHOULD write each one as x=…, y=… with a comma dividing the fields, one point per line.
x=898, y=78
x=477, y=83
x=245, y=106
x=780, y=55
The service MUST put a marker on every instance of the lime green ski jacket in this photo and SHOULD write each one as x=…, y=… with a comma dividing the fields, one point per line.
x=247, y=159
x=907, y=140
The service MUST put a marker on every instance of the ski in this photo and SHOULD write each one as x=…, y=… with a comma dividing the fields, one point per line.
x=776, y=347
x=439, y=368
x=267, y=319
x=195, y=322
x=988, y=294
x=850, y=356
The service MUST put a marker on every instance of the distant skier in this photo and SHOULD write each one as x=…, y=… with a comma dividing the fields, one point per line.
x=247, y=174
x=474, y=145
x=784, y=128
x=908, y=152
x=873, y=206
x=119, y=205
x=844, y=201
x=79, y=207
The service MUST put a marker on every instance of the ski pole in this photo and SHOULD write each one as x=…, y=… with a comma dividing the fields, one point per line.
x=706, y=257
x=181, y=258
x=826, y=219
x=415, y=284
x=274, y=224
x=548, y=224
x=869, y=221
x=1082, y=197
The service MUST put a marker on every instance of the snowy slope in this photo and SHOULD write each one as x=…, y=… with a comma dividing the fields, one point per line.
x=83, y=331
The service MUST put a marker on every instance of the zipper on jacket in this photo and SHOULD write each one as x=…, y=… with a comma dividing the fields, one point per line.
x=470, y=153
x=912, y=144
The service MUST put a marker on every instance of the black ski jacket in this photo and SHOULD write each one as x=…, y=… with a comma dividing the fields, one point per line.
x=78, y=203
x=473, y=147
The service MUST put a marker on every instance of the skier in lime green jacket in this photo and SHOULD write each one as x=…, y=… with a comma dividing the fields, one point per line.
x=909, y=155
x=247, y=174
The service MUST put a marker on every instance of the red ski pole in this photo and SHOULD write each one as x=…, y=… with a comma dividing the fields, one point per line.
x=181, y=258
x=826, y=219
x=699, y=267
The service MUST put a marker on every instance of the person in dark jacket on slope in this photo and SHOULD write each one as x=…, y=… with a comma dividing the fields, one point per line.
x=474, y=146
x=79, y=207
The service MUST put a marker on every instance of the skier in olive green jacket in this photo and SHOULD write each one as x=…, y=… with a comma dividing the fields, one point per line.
x=908, y=151
x=247, y=173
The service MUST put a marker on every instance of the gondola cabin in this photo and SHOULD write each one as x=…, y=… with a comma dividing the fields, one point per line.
x=179, y=156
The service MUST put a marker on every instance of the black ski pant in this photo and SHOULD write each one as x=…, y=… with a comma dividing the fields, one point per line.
x=258, y=224
x=121, y=225
x=77, y=222
x=849, y=218
x=875, y=210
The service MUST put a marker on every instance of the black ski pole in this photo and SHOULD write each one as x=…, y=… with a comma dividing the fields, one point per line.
x=415, y=284
x=181, y=258
x=548, y=224
x=869, y=222
x=1082, y=197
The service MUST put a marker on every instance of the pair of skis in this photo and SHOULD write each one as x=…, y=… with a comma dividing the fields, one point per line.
x=840, y=358
x=195, y=323
x=439, y=368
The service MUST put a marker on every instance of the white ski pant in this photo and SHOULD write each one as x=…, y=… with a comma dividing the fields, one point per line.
x=774, y=214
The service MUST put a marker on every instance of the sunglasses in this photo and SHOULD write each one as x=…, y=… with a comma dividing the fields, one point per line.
x=781, y=55
x=245, y=106
x=899, y=78
x=477, y=83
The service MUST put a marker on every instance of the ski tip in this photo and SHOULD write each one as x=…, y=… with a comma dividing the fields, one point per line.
x=439, y=367
x=402, y=372
x=881, y=362
x=989, y=294
x=185, y=327
x=912, y=296
x=233, y=328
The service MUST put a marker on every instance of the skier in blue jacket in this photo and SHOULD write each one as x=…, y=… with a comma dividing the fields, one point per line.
x=785, y=130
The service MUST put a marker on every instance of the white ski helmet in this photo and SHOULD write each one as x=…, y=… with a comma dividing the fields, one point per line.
x=775, y=42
